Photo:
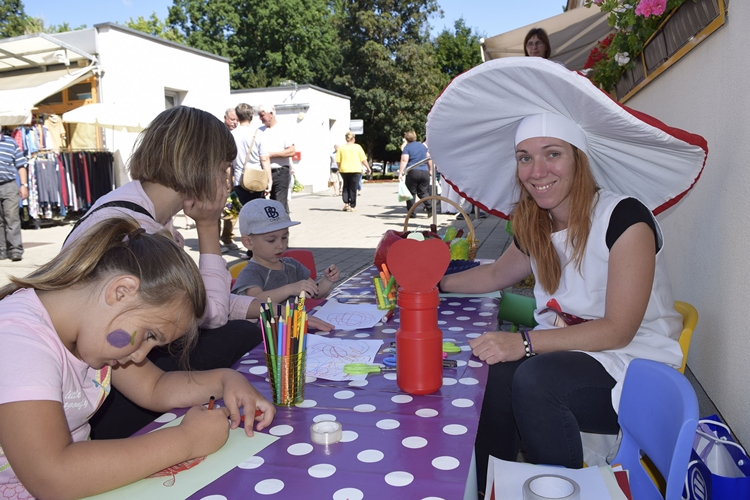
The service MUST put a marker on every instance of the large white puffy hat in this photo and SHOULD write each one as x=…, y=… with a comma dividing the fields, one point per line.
x=471, y=132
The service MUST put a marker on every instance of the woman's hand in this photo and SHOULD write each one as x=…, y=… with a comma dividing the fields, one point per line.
x=318, y=324
x=332, y=273
x=238, y=393
x=205, y=212
x=496, y=347
x=206, y=430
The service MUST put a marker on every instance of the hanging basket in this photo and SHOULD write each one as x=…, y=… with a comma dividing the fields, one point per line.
x=471, y=238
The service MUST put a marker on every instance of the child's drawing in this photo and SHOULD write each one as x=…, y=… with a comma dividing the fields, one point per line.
x=326, y=357
x=171, y=472
x=349, y=316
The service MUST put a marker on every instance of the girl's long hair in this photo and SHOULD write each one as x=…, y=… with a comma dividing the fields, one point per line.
x=168, y=276
x=532, y=225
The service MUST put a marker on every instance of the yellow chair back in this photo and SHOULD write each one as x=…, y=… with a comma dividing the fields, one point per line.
x=689, y=321
x=236, y=268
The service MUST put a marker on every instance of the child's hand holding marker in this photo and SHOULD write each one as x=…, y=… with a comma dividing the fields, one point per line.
x=332, y=273
x=238, y=393
x=308, y=286
x=205, y=431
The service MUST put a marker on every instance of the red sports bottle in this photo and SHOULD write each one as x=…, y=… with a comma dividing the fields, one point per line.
x=419, y=343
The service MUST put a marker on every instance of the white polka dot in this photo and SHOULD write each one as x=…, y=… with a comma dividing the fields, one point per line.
x=321, y=470
x=388, y=330
x=445, y=463
x=461, y=362
x=370, y=456
x=364, y=408
x=414, y=442
x=468, y=381
x=214, y=497
x=309, y=379
x=462, y=403
x=269, y=487
x=252, y=463
x=399, y=478
x=485, y=314
x=307, y=403
x=322, y=333
x=449, y=340
x=281, y=430
x=167, y=417
x=361, y=335
x=344, y=395
x=472, y=335
x=442, y=322
x=456, y=328
x=258, y=370
x=387, y=424
x=348, y=494
x=390, y=376
x=348, y=436
x=463, y=318
x=470, y=308
x=248, y=361
x=455, y=429
x=402, y=398
x=475, y=300
x=432, y=498
x=454, y=303
x=324, y=416
x=466, y=348
x=358, y=383
x=299, y=449
x=480, y=323
x=426, y=412
x=475, y=364
x=449, y=381
x=447, y=313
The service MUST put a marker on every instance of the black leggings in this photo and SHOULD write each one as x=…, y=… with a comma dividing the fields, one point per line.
x=544, y=402
x=349, y=189
x=221, y=347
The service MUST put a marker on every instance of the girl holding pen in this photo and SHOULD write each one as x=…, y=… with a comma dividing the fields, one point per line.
x=84, y=323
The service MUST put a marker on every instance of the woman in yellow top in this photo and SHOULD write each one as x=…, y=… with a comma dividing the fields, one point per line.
x=351, y=158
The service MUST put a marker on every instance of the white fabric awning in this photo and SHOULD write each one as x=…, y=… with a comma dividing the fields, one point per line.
x=572, y=35
x=38, y=51
x=19, y=94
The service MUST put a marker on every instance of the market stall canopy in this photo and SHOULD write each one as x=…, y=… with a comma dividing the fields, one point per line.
x=19, y=94
x=572, y=35
x=115, y=116
x=40, y=51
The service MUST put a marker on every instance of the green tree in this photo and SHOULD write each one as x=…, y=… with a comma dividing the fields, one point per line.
x=457, y=51
x=155, y=26
x=12, y=18
x=267, y=42
x=389, y=69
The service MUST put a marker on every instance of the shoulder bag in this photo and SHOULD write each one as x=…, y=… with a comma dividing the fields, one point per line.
x=253, y=180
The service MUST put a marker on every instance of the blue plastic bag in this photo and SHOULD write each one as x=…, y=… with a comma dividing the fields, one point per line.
x=719, y=468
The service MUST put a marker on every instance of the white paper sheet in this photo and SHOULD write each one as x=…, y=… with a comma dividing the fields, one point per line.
x=350, y=316
x=326, y=357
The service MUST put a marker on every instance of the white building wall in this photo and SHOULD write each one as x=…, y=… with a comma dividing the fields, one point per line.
x=316, y=119
x=708, y=232
x=138, y=70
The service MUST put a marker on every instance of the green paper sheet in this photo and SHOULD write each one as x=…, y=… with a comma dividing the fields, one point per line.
x=237, y=449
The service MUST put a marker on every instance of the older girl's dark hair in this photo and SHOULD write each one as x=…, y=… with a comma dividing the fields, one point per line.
x=184, y=149
x=541, y=35
x=168, y=277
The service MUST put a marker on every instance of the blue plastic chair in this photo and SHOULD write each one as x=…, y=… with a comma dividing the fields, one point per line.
x=658, y=416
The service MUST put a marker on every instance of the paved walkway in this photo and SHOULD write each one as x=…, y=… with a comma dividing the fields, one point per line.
x=347, y=239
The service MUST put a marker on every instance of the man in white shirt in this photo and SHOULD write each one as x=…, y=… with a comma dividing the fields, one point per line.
x=279, y=145
x=251, y=153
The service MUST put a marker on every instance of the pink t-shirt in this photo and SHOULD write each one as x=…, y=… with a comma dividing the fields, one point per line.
x=221, y=305
x=35, y=365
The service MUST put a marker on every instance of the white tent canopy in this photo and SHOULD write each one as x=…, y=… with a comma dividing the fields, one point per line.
x=572, y=35
x=110, y=115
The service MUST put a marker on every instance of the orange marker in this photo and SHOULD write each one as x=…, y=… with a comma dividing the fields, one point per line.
x=211, y=403
x=258, y=413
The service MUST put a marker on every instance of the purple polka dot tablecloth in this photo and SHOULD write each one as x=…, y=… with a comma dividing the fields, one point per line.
x=394, y=445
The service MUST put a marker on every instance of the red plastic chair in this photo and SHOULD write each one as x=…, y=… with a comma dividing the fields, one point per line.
x=307, y=259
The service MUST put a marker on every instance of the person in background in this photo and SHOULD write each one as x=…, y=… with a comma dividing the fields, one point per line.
x=278, y=141
x=12, y=164
x=251, y=153
x=84, y=323
x=536, y=44
x=418, y=178
x=351, y=159
x=334, y=179
x=230, y=119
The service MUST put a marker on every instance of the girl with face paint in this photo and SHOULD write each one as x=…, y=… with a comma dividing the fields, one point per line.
x=84, y=322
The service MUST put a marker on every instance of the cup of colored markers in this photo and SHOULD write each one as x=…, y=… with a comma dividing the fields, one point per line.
x=385, y=289
x=284, y=329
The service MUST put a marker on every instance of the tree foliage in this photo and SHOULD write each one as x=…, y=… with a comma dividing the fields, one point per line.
x=457, y=51
x=12, y=18
x=155, y=26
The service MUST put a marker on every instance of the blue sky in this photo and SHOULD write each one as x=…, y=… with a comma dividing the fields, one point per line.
x=486, y=16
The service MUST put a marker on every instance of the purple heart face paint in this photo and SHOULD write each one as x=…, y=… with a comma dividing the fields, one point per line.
x=120, y=338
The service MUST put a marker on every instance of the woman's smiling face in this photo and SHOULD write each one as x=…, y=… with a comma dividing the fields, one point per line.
x=546, y=168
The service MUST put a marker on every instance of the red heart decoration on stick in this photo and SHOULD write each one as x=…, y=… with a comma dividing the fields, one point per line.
x=418, y=265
